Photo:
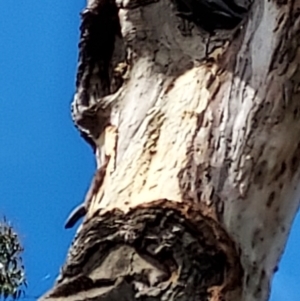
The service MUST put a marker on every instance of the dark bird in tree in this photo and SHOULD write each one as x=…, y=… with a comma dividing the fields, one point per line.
x=81, y=210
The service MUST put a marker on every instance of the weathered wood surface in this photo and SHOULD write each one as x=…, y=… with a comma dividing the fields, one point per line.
x=203, y=138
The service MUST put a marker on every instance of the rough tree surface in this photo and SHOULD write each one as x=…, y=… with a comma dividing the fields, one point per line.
x=194, y=115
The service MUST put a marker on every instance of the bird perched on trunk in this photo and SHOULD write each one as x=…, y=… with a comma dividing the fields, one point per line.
x=82, y=209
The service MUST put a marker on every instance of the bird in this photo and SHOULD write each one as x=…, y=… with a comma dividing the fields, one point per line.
x=81, y=210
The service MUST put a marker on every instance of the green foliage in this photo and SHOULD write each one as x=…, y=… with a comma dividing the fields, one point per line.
x=12, y=275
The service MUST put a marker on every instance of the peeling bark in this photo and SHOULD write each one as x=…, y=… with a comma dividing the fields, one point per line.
x=159, y=251
x=200, y=134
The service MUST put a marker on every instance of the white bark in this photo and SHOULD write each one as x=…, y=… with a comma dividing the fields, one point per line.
x=220, y=133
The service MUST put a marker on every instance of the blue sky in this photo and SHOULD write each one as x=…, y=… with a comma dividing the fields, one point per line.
x=45, y=167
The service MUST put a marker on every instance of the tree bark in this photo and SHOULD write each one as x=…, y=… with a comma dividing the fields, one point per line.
x=196, y=132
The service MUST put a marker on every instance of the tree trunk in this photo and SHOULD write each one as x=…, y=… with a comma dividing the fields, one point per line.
x=193, y=111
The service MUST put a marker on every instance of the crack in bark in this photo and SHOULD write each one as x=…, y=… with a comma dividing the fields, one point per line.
x=101, y=50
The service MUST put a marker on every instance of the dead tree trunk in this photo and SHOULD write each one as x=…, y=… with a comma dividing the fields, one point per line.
x=193, y=110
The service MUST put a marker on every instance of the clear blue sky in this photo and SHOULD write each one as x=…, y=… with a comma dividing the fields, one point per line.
x=45, y=167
